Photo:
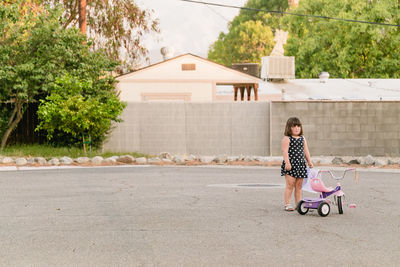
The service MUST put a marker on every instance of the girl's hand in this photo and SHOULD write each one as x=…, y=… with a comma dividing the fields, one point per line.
x=310, y=164
x=288, y=166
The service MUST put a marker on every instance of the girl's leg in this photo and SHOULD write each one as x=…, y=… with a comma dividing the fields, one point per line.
x=290, y=182
x=297, y=189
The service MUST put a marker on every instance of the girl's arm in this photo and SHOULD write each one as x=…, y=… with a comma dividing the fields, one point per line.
x=285, y=152
x=307, y=154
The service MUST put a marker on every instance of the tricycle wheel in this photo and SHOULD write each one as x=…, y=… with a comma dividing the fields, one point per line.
x=339, y=204
x=301, y=209
x=324, y=209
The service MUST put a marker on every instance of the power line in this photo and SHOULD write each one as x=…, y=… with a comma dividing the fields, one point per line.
x=219, y=14
x=293, y=14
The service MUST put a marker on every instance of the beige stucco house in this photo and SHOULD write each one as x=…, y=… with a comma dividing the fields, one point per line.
x=186, y=78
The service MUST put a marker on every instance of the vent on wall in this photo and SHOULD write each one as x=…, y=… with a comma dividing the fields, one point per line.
x=188, y=67
x=248, y=68
x=277, y=68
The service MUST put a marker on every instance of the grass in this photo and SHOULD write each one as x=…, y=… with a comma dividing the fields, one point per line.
x=47, y=151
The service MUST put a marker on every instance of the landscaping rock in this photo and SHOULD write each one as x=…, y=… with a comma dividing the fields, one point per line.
x=316, y=160
x=248, y=158
x=275, y=159
x=110, y=160
x=66, y=160
x=7, y=160
x=166, y=160
x=261, y=159
x=379, y=162
x=221, y=159
x=165, y=155
x=337, y=160
x=154, y=160
x=97, y=160
x=21, y=161
x=354, y=161
x=179, y=159
x=191, y=158
x=241, y=157
x=326, y=161
x=232, y=158
x=126, y=159
x=82, y=160
x=369, y=160
x=40, y=160
x=31, y=160
x=141, y=160
x=54, y=161
x=207, y=159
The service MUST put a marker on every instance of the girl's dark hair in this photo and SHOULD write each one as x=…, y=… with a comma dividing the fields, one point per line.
x=293, y=121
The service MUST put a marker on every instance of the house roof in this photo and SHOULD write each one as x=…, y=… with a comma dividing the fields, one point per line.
x=335, y=89
x=206, y=70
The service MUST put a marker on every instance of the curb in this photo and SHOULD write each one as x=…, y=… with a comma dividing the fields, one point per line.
x=64, y=167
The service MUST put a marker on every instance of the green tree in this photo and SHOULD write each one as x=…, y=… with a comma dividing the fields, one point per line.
x=34, y=50
x=250, y=35
x=76, y=110
x=344, y=49
x=246, y=42
x=116, y=26
x=262, y=5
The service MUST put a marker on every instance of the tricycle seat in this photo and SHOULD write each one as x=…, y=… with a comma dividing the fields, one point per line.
x=318, y=186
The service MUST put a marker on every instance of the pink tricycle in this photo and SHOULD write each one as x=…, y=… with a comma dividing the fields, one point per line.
x=322, y=204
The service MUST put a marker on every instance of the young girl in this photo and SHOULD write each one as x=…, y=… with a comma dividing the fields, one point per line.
x=295, y=153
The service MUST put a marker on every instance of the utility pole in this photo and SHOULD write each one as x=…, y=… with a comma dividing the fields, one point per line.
x=82, y=16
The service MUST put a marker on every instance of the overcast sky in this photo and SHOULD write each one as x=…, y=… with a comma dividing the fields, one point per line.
x=187, y=27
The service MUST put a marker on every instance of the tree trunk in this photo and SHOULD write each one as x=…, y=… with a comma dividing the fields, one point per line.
x=74, y=10
x=84, y=144
x=14, y=120
x=82, y=16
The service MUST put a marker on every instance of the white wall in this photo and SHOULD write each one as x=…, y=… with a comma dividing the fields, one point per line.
x=132, y=91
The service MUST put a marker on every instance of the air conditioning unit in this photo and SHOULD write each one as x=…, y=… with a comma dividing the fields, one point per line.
x=277, y=67
x=248, y=68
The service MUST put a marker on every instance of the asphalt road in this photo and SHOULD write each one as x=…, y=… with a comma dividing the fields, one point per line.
x=190, y=216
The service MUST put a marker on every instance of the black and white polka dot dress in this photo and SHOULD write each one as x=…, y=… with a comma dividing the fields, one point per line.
x=296, y=158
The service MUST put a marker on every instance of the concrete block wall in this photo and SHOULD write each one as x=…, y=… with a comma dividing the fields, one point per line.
x=344, y=128
x=193, y=128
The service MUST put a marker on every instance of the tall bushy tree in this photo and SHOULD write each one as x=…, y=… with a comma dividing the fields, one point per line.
x=262, y=5
x=247, y=42
x=344, y=49
x=116, y=26
x=250, y=35
x=35, y=50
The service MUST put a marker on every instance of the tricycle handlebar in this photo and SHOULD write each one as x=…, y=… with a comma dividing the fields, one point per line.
x=336, y=177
